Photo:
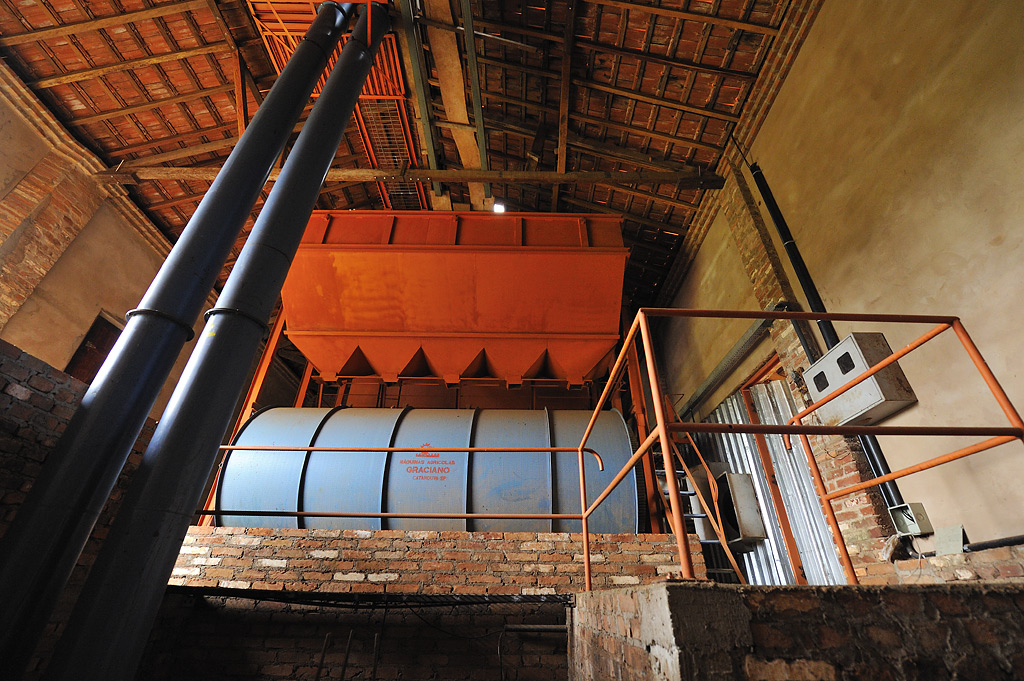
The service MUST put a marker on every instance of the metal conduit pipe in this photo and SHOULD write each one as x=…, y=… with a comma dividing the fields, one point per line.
x=872, y=449
x=46, y=538
x=110, y=624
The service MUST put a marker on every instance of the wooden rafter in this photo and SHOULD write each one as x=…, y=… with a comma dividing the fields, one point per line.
x=127, y=65
x=688, y=16
x=150, y=105
x=103, y=22
x=590, y=46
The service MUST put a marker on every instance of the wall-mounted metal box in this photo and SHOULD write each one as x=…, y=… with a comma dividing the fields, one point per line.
x=873, y=400
x=741, y=515
x=911, y=520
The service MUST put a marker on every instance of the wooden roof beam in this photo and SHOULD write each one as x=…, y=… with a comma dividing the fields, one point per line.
x=152, y=60
x=639, y=193
x=186, y=152
x=616, y=152
x=474, y=84
x=629, y=217
x=565, y=86
x=452, y=81
x=186, y=136
x=688, y=178
x=103, y=22
x=622, y=127
x=688, y=16
x=148, y=106
x=630, y=94
x=420, y=19
x=589, y=46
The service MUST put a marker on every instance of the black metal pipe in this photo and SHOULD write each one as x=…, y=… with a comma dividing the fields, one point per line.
x=109, y=626
x=1015, y=540
x=46, y=538
x=869, y=443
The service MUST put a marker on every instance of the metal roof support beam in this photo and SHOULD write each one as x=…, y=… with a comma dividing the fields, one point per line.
x=474, y=84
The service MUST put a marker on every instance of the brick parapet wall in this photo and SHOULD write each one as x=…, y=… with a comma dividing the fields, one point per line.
x=701, y=631
x=421, y=562
x=999, y=564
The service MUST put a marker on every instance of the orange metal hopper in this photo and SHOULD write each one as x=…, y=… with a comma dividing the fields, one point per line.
x=452, y=295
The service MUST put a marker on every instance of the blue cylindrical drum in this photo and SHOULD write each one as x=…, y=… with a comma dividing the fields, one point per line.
x=426, y=481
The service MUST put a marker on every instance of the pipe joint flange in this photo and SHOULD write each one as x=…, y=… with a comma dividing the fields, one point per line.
x=239, y=313
x=164, y=315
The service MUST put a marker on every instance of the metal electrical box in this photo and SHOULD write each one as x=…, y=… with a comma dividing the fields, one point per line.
x=869, y=402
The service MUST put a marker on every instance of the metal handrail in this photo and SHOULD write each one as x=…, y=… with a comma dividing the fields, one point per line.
x=998, y=437
x=664, y=430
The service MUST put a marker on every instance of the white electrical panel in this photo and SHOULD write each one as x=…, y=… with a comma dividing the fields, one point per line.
x=871, y=401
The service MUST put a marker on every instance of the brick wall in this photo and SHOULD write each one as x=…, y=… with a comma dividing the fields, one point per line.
x=228, y=638
x=48, y=196
x=408, y=562
x=701, y=631
x=36, y=404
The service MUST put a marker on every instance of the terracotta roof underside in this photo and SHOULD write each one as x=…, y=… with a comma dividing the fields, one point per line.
x=649, y=88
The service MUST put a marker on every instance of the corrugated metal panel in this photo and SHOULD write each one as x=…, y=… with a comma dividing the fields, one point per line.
x=767, y=563
x=811, y=533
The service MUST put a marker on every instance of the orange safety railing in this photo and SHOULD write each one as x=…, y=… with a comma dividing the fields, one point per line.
x=995, y=436
x=665, y=429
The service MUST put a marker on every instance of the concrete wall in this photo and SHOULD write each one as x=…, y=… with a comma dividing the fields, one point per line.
x=893, y=149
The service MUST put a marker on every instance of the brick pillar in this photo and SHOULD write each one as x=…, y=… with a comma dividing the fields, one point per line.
x=862, y=517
